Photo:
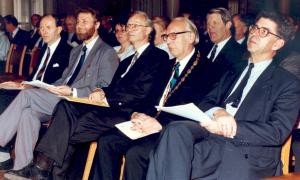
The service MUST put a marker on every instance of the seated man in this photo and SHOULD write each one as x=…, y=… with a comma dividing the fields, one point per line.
x=252, y=115
x=194, y=83
x=135, y=86
x=52, y=61
x=91, y=64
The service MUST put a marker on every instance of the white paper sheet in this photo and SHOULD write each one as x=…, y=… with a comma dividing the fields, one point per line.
x=37, y=83
x=190, y=111
x=126, y=128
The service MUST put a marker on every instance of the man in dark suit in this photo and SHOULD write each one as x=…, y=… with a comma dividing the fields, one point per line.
x=48, y=69
x=34, y=32
x=16, y=35
x=93, y=63
x=252, y=114
x=226, y=53
x=135, y=85
x=69, y=31
x=114, y=145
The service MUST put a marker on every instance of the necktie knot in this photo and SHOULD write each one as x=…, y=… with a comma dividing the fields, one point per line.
x=84, y=49
x=213, y=52
x=236, y=96
x=175, y=75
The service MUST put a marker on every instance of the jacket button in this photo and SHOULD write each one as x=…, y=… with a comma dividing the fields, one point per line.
x=120, y=104
x=246, y=156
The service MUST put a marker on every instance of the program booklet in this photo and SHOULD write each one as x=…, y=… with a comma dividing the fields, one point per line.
x=190, y=111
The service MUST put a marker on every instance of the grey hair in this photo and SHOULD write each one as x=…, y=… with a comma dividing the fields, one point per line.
x=224, y=13
x=191, y=27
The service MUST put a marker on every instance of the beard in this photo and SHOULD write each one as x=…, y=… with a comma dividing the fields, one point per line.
x=87, y=35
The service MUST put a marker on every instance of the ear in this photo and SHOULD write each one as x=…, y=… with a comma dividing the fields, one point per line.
x=278, y=44
x=59, y=29
x=228, y=25
x=148, y=30
x=97, y=25
x=192, y=38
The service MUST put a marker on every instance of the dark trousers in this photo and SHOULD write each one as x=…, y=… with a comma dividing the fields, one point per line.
x=176, y=154
x=113, y=146
x=73, y=124
x=6, y=97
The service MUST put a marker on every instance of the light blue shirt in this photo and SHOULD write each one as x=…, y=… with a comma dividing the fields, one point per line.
x=4, y=46
x=257, y=70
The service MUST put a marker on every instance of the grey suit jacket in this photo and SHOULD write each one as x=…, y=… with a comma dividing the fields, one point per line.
x=97, y=70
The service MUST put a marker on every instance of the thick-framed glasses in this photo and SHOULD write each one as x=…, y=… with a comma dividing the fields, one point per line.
x=172, y=35
x=262, y=31
x=134, y=26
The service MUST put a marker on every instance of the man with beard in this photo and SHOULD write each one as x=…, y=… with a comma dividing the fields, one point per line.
x=91, y=65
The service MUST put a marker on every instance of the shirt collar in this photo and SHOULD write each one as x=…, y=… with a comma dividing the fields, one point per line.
x=141, y=49
x=222, y=43
x=54, y=45
x=15, y=32
x=90, y=45
x=262, y=65
x=183, y=62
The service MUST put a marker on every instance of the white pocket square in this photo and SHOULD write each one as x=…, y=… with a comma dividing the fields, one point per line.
x=55, y=65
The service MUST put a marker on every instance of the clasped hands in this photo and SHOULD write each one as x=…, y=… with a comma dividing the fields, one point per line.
x=223, y=124
x=144, y=123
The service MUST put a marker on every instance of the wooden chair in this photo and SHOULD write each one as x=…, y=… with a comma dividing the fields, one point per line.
x=285, y=155
x=15, y=57
x=34, y=55
x=90, y=159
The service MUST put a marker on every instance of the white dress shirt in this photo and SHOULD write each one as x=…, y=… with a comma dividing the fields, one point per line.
x=219, y=48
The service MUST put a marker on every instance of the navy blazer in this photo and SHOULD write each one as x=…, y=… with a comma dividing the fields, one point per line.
x=140, y=88
x=21, y=38
x=264, y=119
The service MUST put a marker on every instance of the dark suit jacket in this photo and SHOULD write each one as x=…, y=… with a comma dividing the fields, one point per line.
x=230, y=58
x=57, y=64
x=264, y=120
x=140, y=88
x=21, y=37
x=32, y=40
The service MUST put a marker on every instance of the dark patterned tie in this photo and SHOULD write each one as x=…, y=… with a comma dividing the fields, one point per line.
x=43, y=68
x=213, y=53
x=236, y=96
x=175, y=75
x=78, y=67
x=135, y=57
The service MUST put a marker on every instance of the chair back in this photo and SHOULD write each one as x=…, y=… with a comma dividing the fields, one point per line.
x=15, y=57
x=285, y=155
x=34, y=57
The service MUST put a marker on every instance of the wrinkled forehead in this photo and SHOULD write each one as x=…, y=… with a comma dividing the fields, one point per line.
x=177, y=26
x=137, y=19
x=267, y=23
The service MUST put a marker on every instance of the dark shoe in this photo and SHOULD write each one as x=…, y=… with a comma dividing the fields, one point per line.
x=22, y=174
x=6, y=165
x=29, y=172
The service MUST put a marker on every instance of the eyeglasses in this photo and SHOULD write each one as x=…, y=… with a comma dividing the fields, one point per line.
x=172, y=35
x=134, y=26
x=262, y=31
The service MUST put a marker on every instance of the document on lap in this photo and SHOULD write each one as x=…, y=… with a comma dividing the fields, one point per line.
x=37, y=83
x=190, y=111
x=126, y=128
x=84, y=100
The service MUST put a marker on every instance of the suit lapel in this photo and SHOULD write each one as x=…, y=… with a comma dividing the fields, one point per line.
x=260, y=90
x=89, y=59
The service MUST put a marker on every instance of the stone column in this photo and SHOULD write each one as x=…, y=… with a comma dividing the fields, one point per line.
x=172, y=8
x=6, y=7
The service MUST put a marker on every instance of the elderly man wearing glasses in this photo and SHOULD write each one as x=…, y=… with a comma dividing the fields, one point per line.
x=252, y=113
x=190, y=79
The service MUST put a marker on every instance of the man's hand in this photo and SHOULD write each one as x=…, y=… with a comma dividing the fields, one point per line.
x=222, y=124
x=144, y=123
x=61, y=90
x=97, y=96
